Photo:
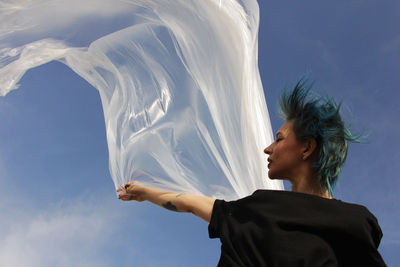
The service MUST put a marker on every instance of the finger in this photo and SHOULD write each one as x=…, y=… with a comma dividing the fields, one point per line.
x=129, y=185
x=127, y=198
x=122, y=187
x=125, y=194
x=131, y=182
x=124, y=197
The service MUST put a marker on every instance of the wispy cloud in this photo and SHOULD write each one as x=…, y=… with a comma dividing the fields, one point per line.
x=62, y=13
x=67, y=234
x=392, y=46
x=326, y=55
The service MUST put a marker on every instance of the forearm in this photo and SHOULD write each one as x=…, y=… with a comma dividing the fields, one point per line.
x=200, y=206
x=169, y=200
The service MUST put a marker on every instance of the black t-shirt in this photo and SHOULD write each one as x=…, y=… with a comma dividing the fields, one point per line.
x=281, y=228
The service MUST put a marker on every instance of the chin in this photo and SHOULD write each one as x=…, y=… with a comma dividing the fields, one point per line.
x=275, y=176
x=272, y=176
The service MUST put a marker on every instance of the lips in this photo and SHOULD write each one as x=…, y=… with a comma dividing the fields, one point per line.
x=269, y=162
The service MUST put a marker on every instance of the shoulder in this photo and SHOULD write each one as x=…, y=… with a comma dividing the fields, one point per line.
x=364, y=221
x=289, y=202
x=295, y=203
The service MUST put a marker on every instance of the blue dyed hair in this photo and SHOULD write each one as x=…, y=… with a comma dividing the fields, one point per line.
x=319, y=118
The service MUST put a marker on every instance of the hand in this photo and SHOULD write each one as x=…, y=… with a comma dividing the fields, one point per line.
x=132, y=191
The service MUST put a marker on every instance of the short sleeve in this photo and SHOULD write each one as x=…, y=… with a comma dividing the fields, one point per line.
x=223, y=215
x=217, y=218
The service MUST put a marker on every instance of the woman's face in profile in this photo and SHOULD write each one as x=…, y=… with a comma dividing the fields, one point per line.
x=285, y=154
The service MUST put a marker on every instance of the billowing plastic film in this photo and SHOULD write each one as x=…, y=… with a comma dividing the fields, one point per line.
x=178, y=79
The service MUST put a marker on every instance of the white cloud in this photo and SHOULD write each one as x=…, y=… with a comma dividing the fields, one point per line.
x=15, y=13
x=72, y=234
x=326, y=55
x=392, y=46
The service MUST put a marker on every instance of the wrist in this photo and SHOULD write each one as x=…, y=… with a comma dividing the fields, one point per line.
x=146, y=193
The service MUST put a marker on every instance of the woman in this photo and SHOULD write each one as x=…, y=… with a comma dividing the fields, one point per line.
x=304, y=227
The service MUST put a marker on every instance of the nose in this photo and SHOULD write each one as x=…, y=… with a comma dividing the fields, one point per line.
x=268, y=150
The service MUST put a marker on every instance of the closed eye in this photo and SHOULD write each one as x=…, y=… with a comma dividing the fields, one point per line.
x=278, y=137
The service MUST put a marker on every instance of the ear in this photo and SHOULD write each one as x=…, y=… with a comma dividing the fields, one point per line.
x=309, y=147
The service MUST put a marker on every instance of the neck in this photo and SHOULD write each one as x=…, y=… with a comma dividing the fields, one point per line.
x=307, y=187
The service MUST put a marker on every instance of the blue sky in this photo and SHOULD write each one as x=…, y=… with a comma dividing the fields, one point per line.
x=58, y=205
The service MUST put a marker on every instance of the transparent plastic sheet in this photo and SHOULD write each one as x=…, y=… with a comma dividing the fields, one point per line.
x=182, y=98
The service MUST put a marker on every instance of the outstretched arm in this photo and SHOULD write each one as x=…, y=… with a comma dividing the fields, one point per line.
x=200, y=206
